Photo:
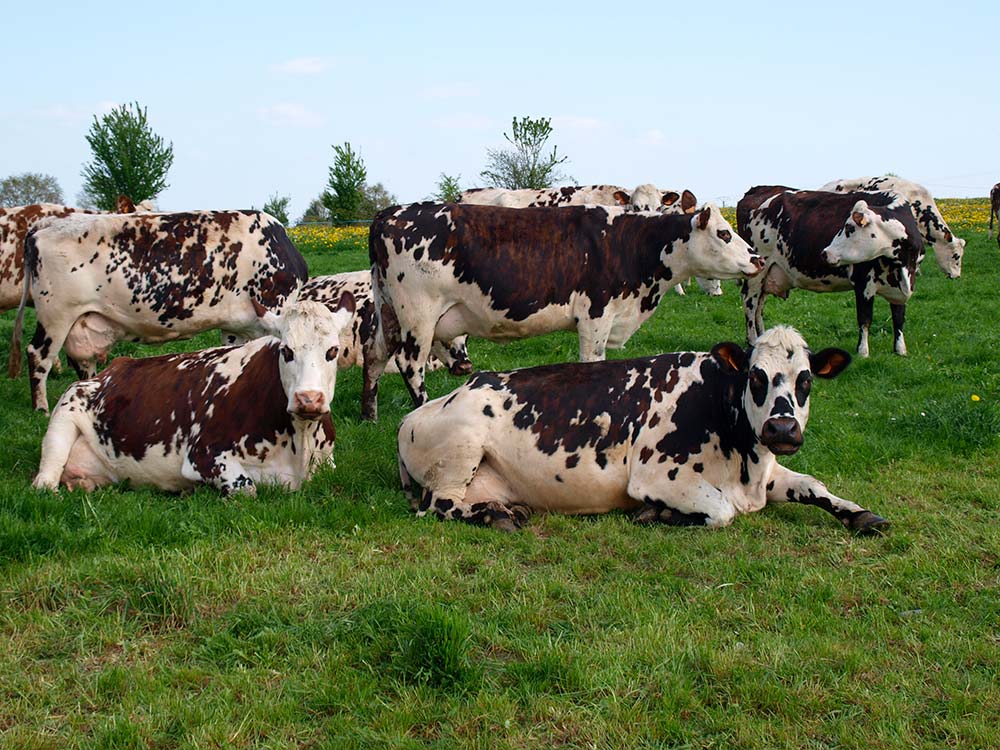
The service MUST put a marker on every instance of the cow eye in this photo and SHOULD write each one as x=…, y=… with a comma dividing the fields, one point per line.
x=725, y=235
x=286, y=353
x=331, y=353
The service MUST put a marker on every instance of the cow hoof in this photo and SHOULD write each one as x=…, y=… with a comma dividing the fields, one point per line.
x=461, y=368
x=647, y=514
x=505, y=524
x=521, y=514
x=868, y=523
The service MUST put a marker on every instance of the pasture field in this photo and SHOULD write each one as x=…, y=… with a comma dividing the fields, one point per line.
x=332, y=618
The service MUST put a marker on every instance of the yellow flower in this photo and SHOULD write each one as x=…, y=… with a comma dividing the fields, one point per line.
x=975, y=397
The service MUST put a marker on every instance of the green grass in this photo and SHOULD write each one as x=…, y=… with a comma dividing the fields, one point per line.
x=332, y=618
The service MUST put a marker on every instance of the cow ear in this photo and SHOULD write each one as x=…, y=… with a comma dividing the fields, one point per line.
x=731, y=356
x=621, y=197
x=670, y=198
x=858, y=213
x=688, y=202
x=347, y=302
x=125, y=205
x=258, y=308
x=703, y=217
x=829, y=363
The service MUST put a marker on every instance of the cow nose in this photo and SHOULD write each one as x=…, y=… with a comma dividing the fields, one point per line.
x=461, y=367
x=782, y=435
x=309, y=403
x=758, y=264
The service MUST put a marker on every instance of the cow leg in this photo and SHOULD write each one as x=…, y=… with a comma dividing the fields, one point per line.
x=42, y=352
x=680, y=290
x=898, y=319
x=788, y=486
x=594, y=334
x=754, y=298
x=59, y=439
x=864, y=303
x=684, y=501
x=223, y=472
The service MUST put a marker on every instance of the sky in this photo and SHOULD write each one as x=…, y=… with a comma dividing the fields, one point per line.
x=715, y=97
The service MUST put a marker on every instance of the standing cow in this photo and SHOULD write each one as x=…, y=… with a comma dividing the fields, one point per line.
x=948, y=248
x=229, y=417
x=151, y=277
x=329, y=289
x=685, y=439
x=995, y=208
x=443, y=270
x=879, y=244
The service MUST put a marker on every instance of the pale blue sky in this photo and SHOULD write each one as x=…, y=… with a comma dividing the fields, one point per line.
x=715, y=97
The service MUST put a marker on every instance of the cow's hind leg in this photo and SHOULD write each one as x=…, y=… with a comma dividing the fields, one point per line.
x=789, y=486
x=42, y=353
x=898, y=319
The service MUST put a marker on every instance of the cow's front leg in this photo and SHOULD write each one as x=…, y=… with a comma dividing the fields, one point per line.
x=898, y=319
x=222, y=471
x=497, y=515
x=754, y=297
x=864, y=301
x=684, y=499
x=790, y=487
x=594, y=334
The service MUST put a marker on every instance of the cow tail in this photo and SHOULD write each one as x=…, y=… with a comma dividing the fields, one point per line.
x=14, y=363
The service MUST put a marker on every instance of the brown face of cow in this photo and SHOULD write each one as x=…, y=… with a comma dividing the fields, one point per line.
x=309, y=334
x=779, y=371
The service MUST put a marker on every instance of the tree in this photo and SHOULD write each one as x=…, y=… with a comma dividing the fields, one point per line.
x=448, y=189
x=346, y=184
x=277, y=206
x=525, y=166
x=315, y=211
x=29, y=187
x=373, y=199
x=129, y=158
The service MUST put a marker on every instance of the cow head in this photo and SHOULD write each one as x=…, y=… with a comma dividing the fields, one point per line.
x=865, y=236
x=309, y=334
x=715, y=251
x=948, y=252
x=779, y=370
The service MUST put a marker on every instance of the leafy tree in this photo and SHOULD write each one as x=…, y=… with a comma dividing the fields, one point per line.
x=29, y=187
x=373, y=199
x=315, y=211
x=277, y=206
x=448, y=189
x=525, y=166
x=129, y=158
x=345, y=187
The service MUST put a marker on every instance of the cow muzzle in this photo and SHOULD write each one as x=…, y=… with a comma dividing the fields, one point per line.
x=758, y=264
x=309, y=404
x=781, y=435
x=460, y=367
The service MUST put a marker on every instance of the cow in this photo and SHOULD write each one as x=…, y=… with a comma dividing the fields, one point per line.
x=796, y=231
x=995, y=208
x=441, y=270
x=329, y=289
x=645, y=197
x=151, y=278
x=948, y=248
x=230, y=417
x=685, y=439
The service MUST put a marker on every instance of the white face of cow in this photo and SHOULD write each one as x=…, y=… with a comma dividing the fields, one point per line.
x=948, y=254
x=716, y=251
x=865, y=236
x=307, y=356
x=780, y=369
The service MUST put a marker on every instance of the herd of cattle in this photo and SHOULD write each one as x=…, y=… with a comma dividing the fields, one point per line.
x=686, y=438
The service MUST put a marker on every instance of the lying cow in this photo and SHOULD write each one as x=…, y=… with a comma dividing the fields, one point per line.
x=644, y=198
x=229, y=417
x=831, y=242
x=948, y=249
x=685, y=439
x=329, y=289
x=152, y=278
x=443, y=270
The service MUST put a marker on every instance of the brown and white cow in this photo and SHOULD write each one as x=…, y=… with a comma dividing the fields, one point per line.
x=831, y=242
x=948, y=248
x=645, y=197
x=687, y=439
x=443, y=270
x=151, y=278
x=329, y=290
x=995, y=207
x=230, y=417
